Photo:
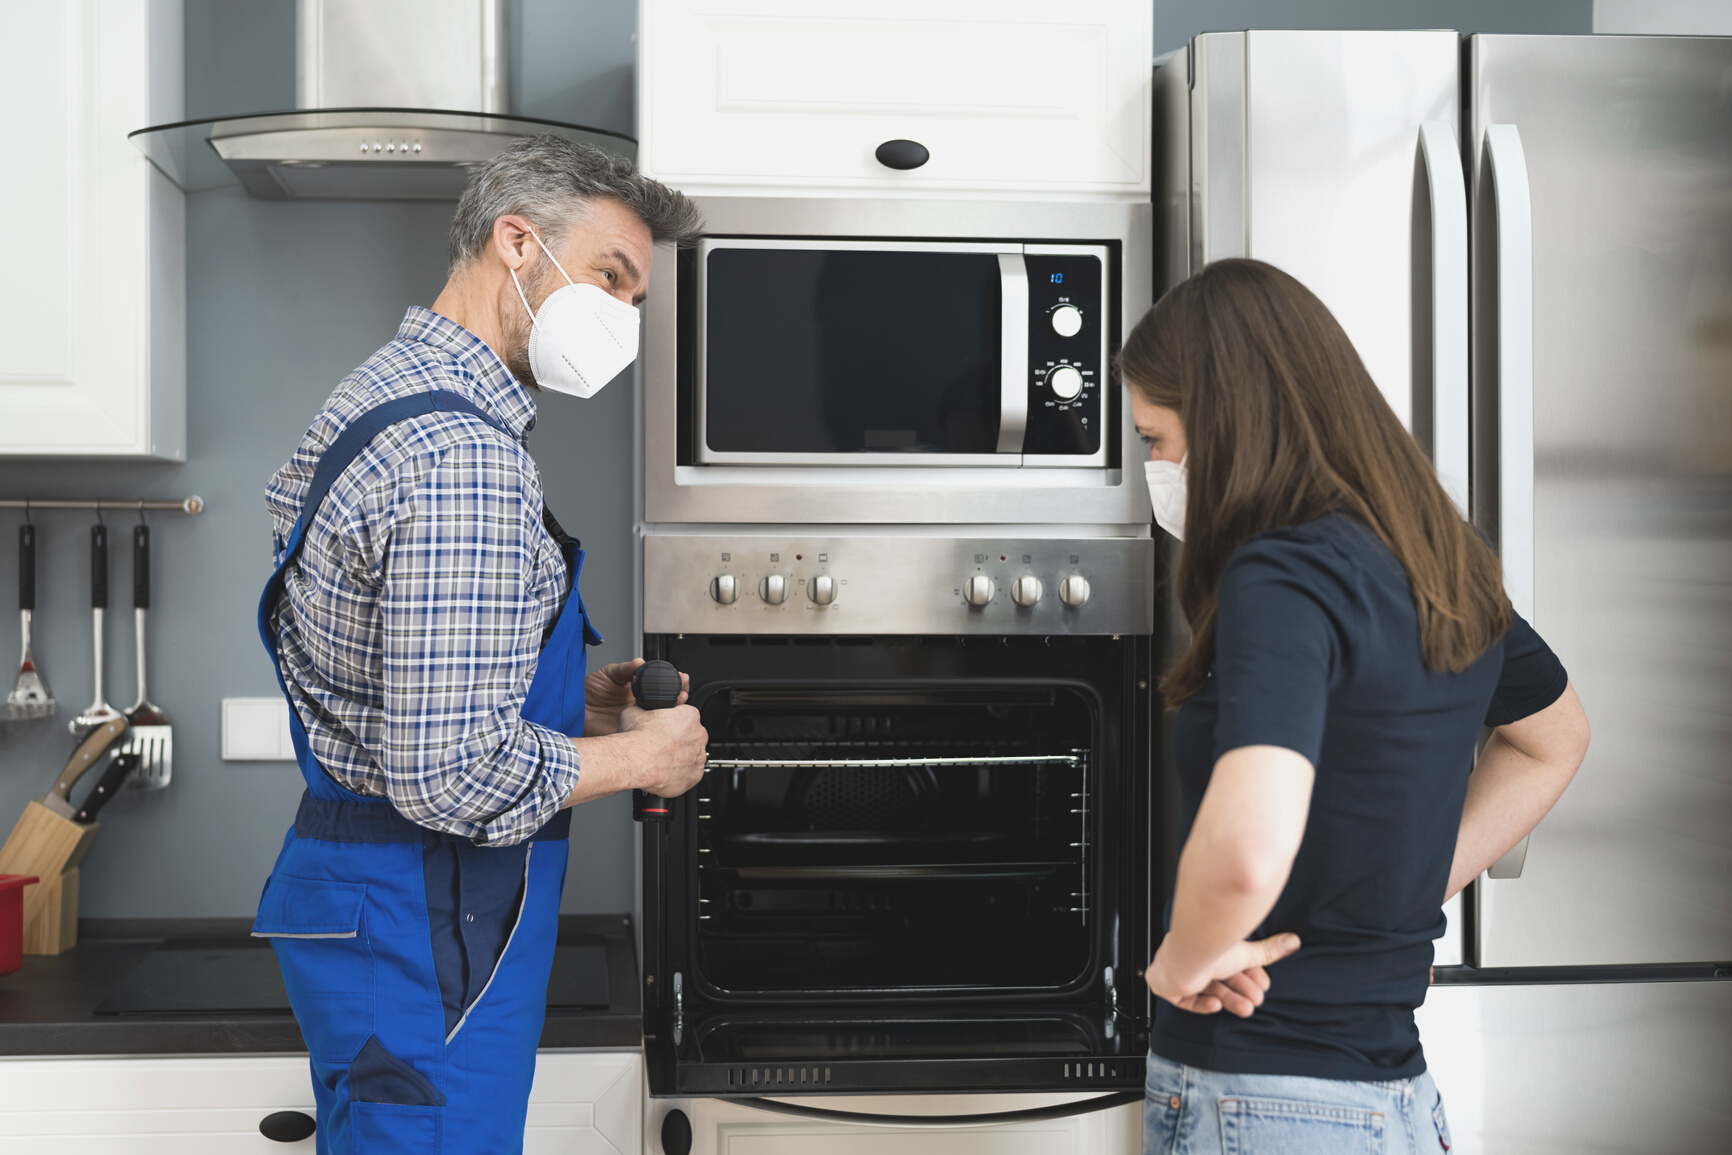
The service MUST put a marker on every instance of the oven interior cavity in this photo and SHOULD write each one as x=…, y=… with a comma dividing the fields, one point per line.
x=869, y=839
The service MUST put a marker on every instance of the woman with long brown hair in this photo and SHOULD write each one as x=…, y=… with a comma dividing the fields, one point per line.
x=1349, y=637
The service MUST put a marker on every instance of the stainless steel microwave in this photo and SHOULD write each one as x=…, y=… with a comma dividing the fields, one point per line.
x=900, y=353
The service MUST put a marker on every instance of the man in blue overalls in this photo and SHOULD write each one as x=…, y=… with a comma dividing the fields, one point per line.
x=425, y=623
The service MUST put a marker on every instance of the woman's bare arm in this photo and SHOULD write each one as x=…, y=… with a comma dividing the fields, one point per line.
x=1521, y=773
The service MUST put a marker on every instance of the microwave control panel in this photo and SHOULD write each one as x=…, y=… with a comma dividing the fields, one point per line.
x=1067, y=349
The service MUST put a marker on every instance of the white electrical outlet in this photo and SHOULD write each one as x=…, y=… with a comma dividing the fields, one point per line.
x=257, y=730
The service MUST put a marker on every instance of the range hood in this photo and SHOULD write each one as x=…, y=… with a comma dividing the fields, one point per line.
x=398, y=100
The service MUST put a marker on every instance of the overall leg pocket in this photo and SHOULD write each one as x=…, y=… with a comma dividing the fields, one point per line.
x=393, y=1107
x=316, y=927
x=1254, y=1126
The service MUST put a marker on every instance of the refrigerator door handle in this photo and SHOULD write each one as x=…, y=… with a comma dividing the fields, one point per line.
x=1440, y=158
x=1512, y=217
x=1013, y=353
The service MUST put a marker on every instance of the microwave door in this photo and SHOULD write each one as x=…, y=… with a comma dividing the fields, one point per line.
x=1013, y=352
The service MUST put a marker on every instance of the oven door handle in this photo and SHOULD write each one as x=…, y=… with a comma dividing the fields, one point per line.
x=990, y=1118
x=1012, y=353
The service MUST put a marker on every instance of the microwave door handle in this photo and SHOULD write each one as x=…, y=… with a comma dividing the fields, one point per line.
x=1012, y=353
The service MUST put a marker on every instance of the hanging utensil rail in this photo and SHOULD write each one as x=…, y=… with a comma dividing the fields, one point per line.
x=193, y=504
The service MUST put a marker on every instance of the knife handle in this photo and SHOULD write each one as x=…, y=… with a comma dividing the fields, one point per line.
x=99, y=567
x=106, y=787
x=141, y=567
x=26, y=566
x=84, y=757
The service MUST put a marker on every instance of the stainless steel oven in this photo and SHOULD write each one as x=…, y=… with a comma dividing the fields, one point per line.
x=817, y=351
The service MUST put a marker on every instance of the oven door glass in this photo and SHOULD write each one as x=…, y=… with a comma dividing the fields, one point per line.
x=818, y=352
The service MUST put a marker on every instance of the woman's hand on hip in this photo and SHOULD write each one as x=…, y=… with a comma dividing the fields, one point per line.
x=1235, y=982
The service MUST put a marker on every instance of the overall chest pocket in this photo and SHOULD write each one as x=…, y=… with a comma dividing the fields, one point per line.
x=318, y=929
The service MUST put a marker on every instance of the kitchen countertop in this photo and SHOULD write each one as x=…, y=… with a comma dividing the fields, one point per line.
x=48, y=1008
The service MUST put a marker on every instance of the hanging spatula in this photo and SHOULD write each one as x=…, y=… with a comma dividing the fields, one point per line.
x=151, y=738
x=30, y=697
x=99, y=711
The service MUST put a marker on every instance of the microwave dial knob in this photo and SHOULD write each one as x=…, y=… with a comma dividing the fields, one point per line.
x=1065, y=382
x=774, y=589
x=979, y=590
x=724, y=589
x=1074, y=590
x=821, y=589
x=1067, y=321
x=1026, y=590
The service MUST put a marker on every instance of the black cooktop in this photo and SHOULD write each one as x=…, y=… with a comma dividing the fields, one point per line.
x=178, y=978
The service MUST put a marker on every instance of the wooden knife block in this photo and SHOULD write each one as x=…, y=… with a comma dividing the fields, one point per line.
x=50, y=847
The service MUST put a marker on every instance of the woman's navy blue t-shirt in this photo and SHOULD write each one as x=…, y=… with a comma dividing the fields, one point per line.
x=1317, y=650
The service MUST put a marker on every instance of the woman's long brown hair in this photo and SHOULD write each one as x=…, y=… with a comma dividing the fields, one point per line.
x=1283, y=425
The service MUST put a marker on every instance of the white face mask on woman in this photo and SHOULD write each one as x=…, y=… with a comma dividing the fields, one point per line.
x=1167, y=493
x=581, y=339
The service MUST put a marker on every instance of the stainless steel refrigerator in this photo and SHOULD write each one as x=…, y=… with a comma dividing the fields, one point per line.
x=1529, y=239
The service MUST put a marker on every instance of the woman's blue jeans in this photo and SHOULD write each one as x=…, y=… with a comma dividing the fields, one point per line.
x=1190, y=1111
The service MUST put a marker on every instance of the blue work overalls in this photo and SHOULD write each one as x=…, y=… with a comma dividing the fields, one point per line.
x=417, y=962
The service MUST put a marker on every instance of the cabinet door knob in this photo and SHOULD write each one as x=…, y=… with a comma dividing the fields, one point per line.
x=902, y=154
x=287, y=1126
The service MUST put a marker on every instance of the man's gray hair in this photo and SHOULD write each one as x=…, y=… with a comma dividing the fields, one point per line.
x=552, y=181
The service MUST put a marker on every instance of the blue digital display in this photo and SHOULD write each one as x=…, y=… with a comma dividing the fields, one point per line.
x=1058, y=278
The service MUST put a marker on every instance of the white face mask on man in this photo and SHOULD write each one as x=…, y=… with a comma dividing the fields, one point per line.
x=582, y=338
x=1166, y=481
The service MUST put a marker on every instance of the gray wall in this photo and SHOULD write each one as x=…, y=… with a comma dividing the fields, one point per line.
x=282, y=301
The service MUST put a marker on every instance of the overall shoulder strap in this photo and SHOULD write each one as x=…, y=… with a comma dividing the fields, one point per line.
x=359, y=432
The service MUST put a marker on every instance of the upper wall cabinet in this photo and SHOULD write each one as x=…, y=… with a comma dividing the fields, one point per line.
x=93, y=309
x=898, y=97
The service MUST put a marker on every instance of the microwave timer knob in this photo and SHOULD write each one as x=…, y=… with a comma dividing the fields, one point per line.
x=1067, y=320
x=1074, y=590
x=1026, y=590
x=821, y=589
x=1065, y=382
x=724, y=589
x=979, y=590
x=774, y=589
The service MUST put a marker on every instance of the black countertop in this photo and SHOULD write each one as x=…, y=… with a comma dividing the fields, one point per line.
x=48, y=1008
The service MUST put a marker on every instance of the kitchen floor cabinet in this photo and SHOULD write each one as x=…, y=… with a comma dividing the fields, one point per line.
x=583, y=1101
x=93, y=316
x=1013, y=98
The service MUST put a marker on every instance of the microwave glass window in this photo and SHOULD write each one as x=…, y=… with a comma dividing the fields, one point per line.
x=812, y=351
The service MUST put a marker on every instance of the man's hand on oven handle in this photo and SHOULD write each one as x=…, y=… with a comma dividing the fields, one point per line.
x=607, y=692
x=661, y=751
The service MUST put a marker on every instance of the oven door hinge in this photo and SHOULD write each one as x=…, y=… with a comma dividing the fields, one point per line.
x=680, y=1008
x=1113, y=1012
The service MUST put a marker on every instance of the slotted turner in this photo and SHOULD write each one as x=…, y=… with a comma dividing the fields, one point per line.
x=151, y=737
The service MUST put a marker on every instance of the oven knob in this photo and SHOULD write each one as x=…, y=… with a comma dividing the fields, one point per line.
x=979, y=590
x=1025, y=591
x=774, y=589
x=1065, y=381
x=1066, y=321
x=822, y=589
x=1074, y=590
x=724, y=589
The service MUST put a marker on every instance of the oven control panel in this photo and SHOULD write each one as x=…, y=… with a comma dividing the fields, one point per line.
x=702, y=583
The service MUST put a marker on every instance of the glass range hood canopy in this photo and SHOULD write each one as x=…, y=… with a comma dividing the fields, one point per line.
x=399, y=154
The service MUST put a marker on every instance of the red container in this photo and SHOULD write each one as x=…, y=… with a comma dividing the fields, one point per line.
x=12, y=920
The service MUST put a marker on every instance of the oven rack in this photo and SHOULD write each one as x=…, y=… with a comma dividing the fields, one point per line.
x=977, y=760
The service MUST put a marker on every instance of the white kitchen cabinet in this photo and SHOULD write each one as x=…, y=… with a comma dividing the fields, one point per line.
x=722, y=1128
x=1014, y=98
x=93, y=306
x=583, y=1101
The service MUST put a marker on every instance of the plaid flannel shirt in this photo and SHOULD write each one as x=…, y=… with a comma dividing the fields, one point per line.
x=410, y=625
